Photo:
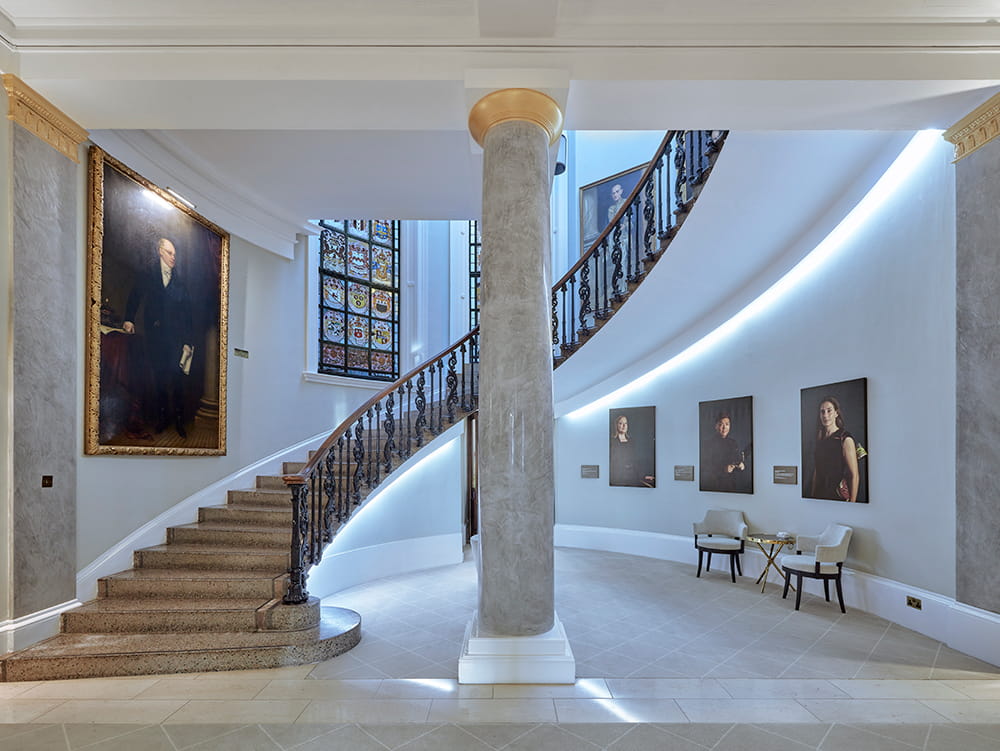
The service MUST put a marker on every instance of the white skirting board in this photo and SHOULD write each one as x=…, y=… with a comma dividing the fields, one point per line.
x=22, y=632
x=970, y=630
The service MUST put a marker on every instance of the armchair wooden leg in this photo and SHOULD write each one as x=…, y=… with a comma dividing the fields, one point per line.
x=798, y=590
x=840, y=594
x=700, y=554
x=826, y=589
x=708, y=565
x=739, y=568
x=732, y=568
x=788, y=581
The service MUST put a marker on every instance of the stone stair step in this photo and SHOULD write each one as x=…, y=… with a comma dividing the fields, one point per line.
x=212, y=556
x=191, y=583
x=100, y=655
x=168, y=615
x=239, y=535
x=271, y=482
x=258, y=516
x=261, y=497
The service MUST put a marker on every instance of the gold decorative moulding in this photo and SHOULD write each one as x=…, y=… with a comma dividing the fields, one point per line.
x=506, y=105
x=976, y=129
x=39, y=116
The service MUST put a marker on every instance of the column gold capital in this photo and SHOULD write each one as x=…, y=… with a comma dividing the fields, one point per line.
x=976, y=129
x=515, y=104
x=39, y=116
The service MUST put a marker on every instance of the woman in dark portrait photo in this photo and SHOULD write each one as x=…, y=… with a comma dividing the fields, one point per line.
x=835, y=474
x=631, y=461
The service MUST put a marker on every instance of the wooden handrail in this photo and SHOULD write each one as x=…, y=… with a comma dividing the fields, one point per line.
x=300, y=477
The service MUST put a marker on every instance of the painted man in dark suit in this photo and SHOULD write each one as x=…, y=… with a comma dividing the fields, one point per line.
x=166, y=324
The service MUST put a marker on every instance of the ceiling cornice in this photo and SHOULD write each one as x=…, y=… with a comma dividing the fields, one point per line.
x=976, y=129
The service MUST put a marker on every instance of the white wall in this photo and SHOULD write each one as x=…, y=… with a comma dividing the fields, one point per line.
x=882, y=308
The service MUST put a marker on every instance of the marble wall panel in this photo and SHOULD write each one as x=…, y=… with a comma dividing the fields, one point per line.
x=45, y=229
x=977, y=484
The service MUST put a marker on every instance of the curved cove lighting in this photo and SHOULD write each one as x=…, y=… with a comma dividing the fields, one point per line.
x=899, y=172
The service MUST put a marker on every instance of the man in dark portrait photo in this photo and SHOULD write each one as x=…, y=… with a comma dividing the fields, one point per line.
x=725, y=446
x=166, y=325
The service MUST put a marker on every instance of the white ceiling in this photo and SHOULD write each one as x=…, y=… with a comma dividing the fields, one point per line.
x=358, y=107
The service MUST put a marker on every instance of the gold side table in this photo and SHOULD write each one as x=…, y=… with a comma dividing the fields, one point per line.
x=777, y=543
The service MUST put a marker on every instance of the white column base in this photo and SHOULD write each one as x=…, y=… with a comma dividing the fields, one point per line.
x=545, y=658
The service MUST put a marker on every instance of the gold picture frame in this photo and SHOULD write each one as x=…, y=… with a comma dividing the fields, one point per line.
x=157, y=319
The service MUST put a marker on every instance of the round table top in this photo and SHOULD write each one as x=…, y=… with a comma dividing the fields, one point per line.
x=771, y=538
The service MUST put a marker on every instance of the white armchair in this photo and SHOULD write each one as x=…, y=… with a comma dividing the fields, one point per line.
x=721, y=531
x=818, y=558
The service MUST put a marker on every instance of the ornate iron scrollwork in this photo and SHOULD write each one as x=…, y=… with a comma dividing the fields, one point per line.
x=452, y=381
x=421, y=399
x=359, y=461
x=296, y=593
x=390, y=432
x=616, y=263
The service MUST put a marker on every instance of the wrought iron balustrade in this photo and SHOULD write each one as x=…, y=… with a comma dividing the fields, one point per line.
x=635, y=238
x=379, y=436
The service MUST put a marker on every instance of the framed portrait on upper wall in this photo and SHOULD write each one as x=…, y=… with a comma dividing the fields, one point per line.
x=157, y=315
x=632, y=452
x=725, y=432
x=835, y=441
x=601, y=200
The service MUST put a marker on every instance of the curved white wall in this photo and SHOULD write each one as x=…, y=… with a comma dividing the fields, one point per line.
x=883, y=308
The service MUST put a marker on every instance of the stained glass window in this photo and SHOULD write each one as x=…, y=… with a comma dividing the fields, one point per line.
x=359, y=300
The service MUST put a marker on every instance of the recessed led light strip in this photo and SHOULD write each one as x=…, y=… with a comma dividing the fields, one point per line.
x=898, y=173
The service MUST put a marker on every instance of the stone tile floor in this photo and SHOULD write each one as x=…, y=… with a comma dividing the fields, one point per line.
x=664, y=661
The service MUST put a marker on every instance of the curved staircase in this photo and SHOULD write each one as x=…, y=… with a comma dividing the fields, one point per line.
x=229, y=591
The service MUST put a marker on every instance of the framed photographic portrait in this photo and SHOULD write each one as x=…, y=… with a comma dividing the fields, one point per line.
x=157, y=315
x=632, y=453
x=835, y=441
x=601, y=200
x=725, y=433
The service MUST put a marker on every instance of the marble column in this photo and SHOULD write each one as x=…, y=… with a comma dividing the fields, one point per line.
x=515, y=635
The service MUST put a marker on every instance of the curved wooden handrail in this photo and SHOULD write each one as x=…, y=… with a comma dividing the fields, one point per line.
x=300, y=477
x=626, y=205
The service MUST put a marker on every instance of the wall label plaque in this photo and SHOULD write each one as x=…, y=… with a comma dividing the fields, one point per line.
x=590, y=471
x=786, y=475
x=684, y=472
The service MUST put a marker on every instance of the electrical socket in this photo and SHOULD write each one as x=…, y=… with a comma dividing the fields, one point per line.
x=914, y=602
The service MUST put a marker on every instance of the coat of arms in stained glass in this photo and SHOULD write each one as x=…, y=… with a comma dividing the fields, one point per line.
x=381, y=334
x=357, y=297
x=333, y=292
x=381, y=265
x=382, y=303
x=332, y=251
x=333, y=326
x=358, y=258
x=381, y=231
